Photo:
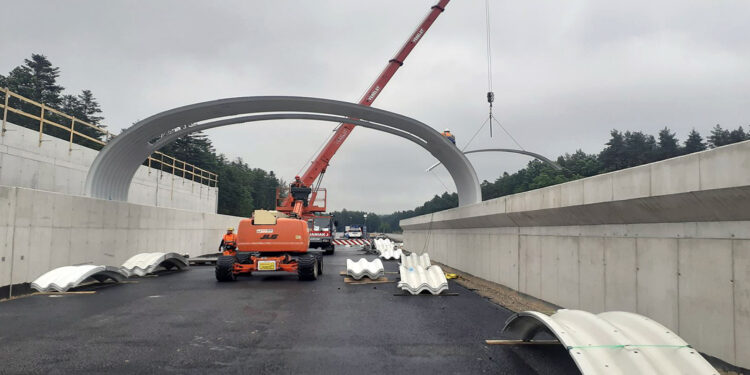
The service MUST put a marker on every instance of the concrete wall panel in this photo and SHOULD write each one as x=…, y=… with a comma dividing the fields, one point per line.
x=620, y=274
x=706, y=312
x=657, y=280
x=726, y=166
x=632, y=183
x=680, y=175
x=591, y=274
x=530, y=269
x=597, y=189
x=741, y=256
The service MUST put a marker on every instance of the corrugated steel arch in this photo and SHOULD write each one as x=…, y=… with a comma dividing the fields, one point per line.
x=613, y=342
x=114, y=167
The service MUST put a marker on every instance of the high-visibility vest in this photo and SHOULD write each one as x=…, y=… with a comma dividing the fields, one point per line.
x=230, y=238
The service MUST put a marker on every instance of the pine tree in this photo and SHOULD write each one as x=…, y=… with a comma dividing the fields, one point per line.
x=613, y=156
x=719, y=137
x=44, y=87
x=738, y=135
x=694, y=143
x=669, y=146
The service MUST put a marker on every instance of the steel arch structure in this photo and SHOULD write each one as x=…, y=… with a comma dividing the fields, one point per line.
x=539, y=157
x=113, y=169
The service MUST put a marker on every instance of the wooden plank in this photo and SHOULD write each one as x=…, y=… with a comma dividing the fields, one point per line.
x=343, y=273
x=366, y=280
x=65, y=293
x=521, y=342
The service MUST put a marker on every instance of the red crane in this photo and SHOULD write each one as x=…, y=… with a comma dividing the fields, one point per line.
x=320, y=163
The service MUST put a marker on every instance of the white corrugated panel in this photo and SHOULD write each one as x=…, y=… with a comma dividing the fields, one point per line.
x=414, y=260
x=391, y=254
x=613, y=342
x=63, y=278
x=416, y=280
x=146, y=263
x=362, y=268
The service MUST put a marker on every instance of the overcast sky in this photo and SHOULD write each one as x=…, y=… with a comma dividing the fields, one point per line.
x=565, y=74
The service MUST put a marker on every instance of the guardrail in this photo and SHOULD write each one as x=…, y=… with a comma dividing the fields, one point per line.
x=61, y=125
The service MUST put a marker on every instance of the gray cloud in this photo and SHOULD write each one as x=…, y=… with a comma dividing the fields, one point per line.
x=565, y=73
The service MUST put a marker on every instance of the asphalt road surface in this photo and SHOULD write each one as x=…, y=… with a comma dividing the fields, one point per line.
x=186, y=322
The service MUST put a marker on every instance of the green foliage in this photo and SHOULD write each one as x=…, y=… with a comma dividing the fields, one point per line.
x=242, y=189
x=694, y=143
x=37, y=80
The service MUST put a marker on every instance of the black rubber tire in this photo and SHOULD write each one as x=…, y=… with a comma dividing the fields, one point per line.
x=307, y=267
x=225, y=268
x=330, y=249
x=319, y=258
x=243, y=257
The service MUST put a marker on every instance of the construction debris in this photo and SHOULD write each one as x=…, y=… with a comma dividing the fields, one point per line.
x=362, y=268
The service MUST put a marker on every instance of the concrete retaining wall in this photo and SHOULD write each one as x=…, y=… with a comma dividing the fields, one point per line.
x=669, y=240
x=42, y=230
x=52, y=167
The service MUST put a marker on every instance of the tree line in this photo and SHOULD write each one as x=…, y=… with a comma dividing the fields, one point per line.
x=623, y=150
x=242, y=188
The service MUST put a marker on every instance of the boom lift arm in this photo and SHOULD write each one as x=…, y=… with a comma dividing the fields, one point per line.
x=321, y=162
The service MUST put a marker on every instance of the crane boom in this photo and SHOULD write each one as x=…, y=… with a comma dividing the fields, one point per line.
x=322, y=160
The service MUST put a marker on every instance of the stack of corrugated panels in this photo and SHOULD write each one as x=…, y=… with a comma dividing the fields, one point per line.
x=145, y=263
x=362, y=268
x=414, y=260
x=417, y=279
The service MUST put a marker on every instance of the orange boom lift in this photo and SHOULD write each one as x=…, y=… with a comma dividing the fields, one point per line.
x=279, y=240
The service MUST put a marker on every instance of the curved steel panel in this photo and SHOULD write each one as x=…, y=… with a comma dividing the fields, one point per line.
x=511, y=150
x=613, y=342
x=114, y=167
x=63, y=278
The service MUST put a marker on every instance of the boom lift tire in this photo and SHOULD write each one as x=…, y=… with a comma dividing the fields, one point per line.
x=243, y=257
x=307, y=267
x=319, y=258
x=225, y=268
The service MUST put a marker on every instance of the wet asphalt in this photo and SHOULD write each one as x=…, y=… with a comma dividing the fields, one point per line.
x=186, y=322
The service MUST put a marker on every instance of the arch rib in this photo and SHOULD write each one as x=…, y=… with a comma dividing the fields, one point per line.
x=114, y=167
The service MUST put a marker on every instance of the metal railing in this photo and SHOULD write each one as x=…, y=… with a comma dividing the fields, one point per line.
x=64, y=126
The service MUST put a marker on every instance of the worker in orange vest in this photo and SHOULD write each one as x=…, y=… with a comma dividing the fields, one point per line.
x=447, y=134
x=229, y=242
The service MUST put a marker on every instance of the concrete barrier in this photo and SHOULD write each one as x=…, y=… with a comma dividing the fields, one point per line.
x=41, y=230
x=53, y=167
x=669, y=240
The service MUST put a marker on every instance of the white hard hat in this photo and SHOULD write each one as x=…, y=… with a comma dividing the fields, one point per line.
x=446, y=129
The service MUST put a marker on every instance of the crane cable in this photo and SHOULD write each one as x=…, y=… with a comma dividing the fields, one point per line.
x=490, y=93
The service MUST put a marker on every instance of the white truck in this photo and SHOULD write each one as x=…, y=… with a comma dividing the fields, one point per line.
x=353, y=231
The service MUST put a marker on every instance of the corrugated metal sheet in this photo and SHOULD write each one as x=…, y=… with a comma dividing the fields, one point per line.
x=362, y=268
x=416, y=280
x=414, y=260
x=63, y=278
x=613, y=342
x=383, y=244
x=391, y=254
x=146, y=263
